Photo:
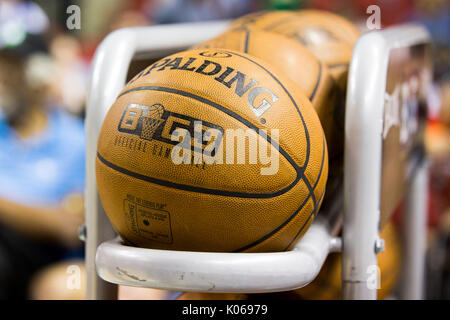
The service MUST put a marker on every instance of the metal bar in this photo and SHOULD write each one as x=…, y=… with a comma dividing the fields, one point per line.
x=362, y=164
x=110, y=67
x=109, y=70
x=414, y=228
x=363, y=155
x=218, y=272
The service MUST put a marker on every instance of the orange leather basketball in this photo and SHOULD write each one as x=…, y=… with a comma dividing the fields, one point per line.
x=191, y=106
x=300, y=65
x=329, y=37
x=265, y=20
x=327, y=285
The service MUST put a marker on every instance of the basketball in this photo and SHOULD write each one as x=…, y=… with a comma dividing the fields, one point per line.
x=327, y=285
x=329, y=37
x=265, y=20
x=171, y=175
x=301, y=66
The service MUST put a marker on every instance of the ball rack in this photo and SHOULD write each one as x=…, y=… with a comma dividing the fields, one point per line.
x=109, y=262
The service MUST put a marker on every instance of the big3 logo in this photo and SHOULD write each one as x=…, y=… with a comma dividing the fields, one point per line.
x=156, y=123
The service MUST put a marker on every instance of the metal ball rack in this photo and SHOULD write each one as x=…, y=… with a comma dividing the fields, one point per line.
x=109, y=262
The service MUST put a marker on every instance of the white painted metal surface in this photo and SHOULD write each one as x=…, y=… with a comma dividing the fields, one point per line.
x=217, y=272
x=414, y=238
x=363, y=154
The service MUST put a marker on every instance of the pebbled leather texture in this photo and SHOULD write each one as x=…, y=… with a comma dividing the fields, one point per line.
x=330, y=37
x=298, y=63
x=230, y=207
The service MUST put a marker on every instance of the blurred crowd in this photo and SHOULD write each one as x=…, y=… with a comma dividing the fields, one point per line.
x=44, y=78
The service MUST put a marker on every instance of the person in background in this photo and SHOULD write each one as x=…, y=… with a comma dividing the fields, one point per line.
x=41, y=165
x=70, y=75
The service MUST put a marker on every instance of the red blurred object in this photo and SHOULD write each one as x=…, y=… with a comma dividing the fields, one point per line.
x=392, y=11
x=88, y=48
x=435, y=208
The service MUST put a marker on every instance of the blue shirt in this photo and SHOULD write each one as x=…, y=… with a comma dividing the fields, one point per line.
x=43, y=169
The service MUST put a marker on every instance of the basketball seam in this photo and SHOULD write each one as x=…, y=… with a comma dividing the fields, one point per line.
x=247, y=38
x=316, y=205
x=313, y=213
x=311, y=194
x=292, y=100
x=255, y=242
x=225, y=110
x=337, y=65
x=195, y=189
x=319, y=76
x=308, y=142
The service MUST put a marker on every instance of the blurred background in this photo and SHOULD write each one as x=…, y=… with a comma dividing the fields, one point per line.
x=44, y=77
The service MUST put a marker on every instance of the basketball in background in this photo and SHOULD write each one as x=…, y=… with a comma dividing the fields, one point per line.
x=211, y=150
x=330, y=37
x=264, y=20
x=327, y=285
x=300, y=65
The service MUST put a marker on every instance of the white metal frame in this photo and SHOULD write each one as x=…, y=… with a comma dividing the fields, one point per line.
x=250, y=272
x=362, y=167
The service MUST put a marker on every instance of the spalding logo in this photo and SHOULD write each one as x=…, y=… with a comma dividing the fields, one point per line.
x=225, y=75
x=215, y=54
